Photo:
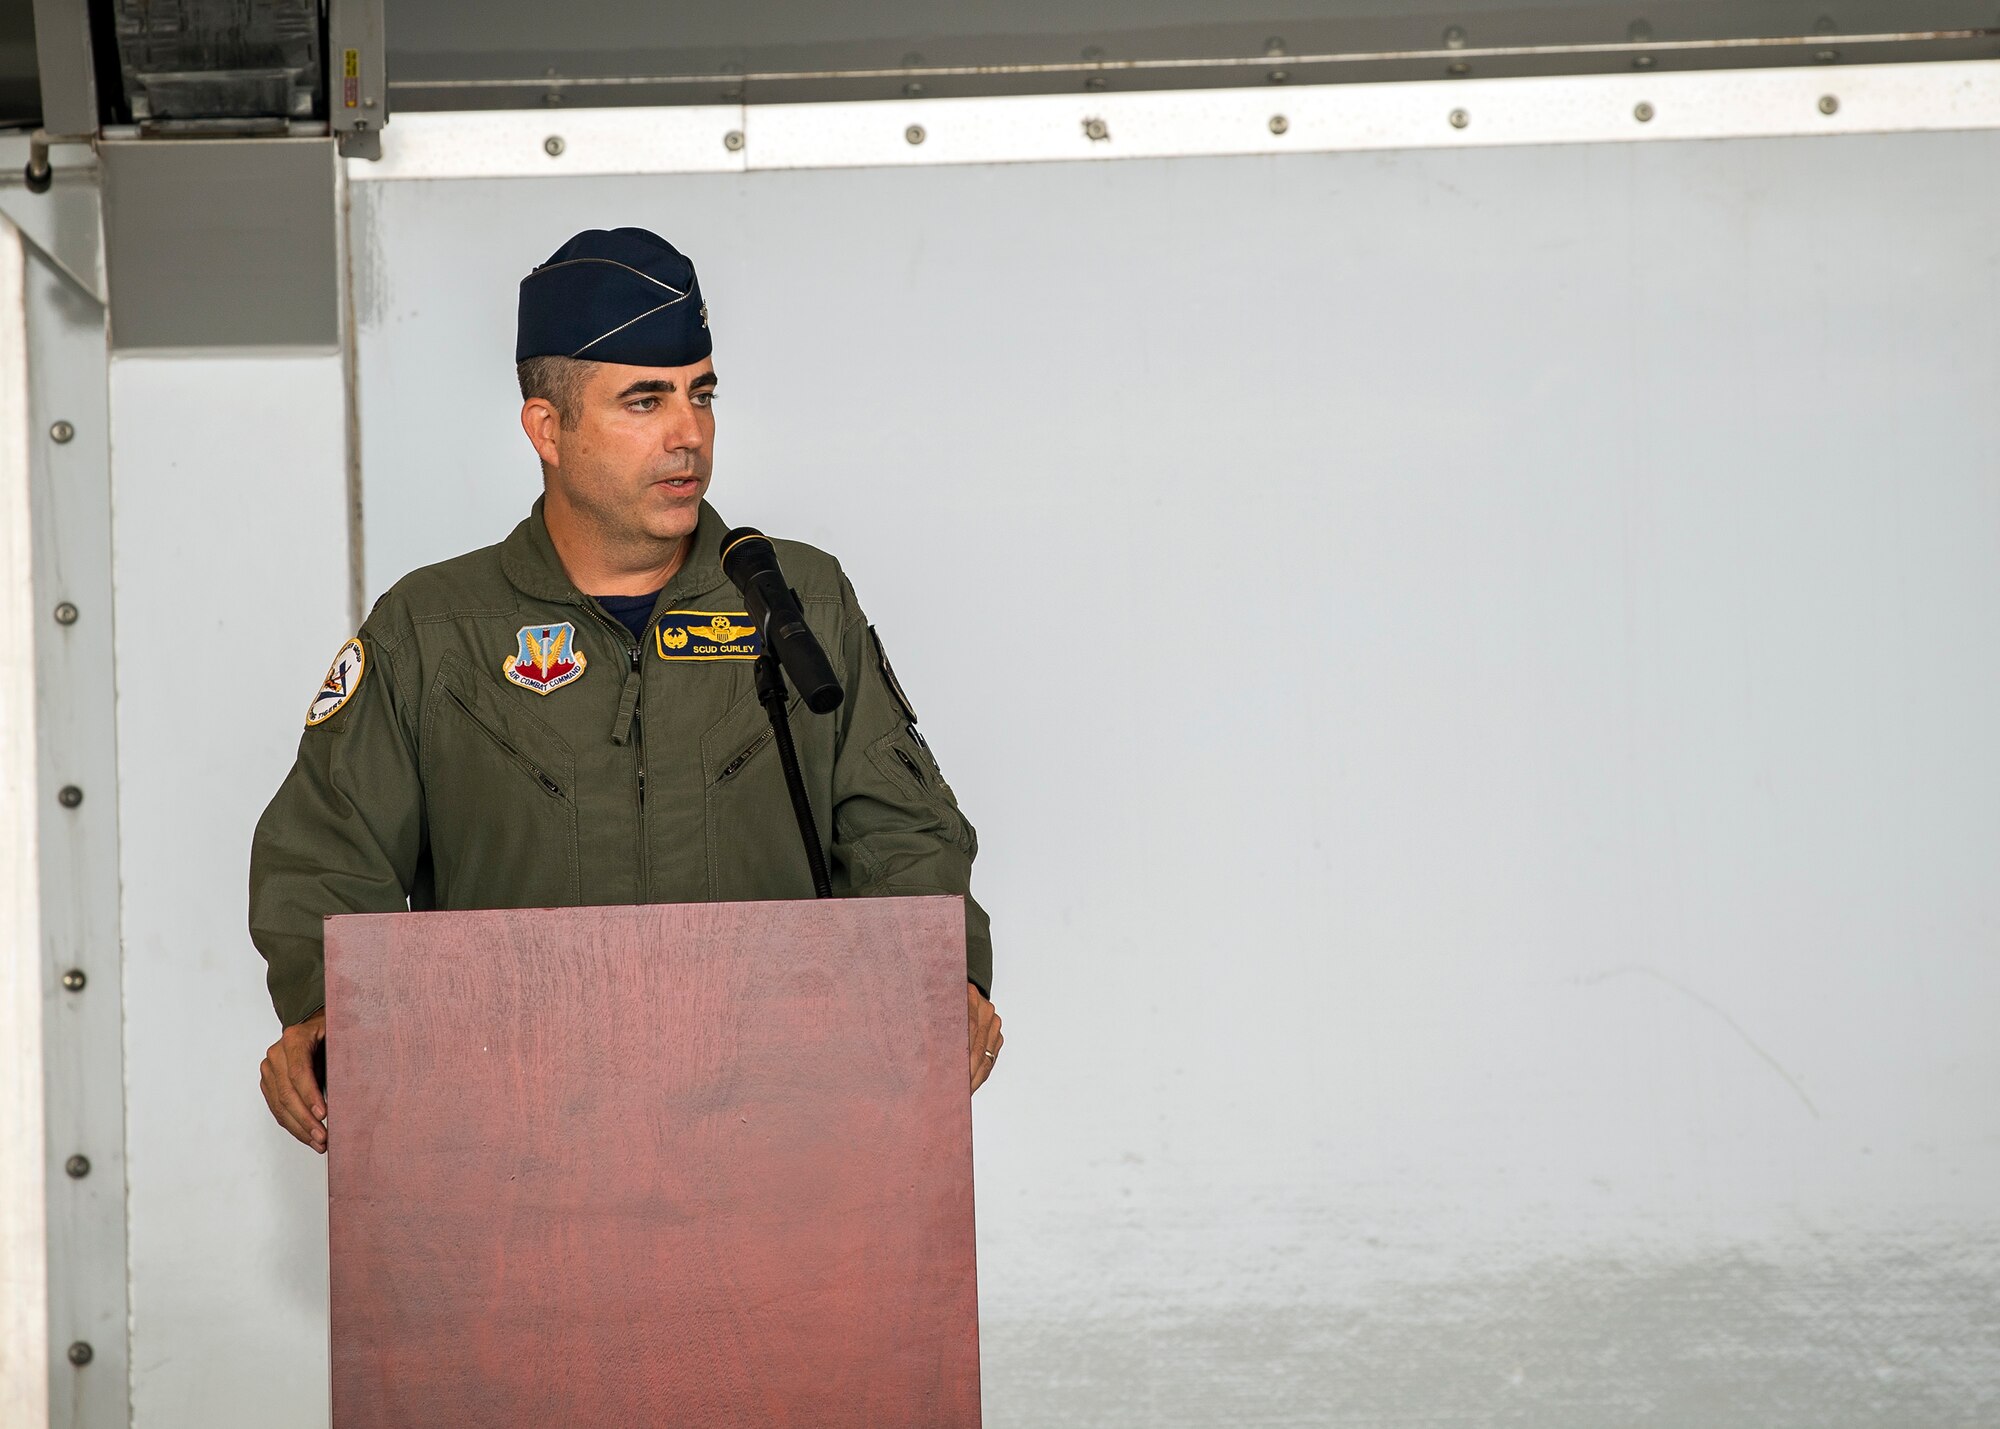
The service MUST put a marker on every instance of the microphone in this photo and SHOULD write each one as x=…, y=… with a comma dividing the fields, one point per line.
x=750, y=560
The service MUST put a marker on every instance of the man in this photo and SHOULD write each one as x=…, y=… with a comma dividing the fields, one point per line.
x=568, y=717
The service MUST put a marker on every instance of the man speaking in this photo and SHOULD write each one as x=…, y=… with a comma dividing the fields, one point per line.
x=570, y=716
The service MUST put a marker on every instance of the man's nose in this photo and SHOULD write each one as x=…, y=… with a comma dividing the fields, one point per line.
x=683, y=430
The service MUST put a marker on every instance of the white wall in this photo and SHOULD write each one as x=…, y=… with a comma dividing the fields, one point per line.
x=231, y=554
x=1470, y=671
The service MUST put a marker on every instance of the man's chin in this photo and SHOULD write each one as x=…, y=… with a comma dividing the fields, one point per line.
x=671, y=510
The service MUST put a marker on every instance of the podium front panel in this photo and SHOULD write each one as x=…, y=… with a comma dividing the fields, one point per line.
x=672, y=1165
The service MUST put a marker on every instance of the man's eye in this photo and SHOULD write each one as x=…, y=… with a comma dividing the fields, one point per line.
x=704, y=398
x=645, y=404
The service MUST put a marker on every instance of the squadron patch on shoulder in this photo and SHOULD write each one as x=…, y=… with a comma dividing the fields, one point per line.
x=707, y=635
x=343, y=678
x=547, y=657
x=889, y=678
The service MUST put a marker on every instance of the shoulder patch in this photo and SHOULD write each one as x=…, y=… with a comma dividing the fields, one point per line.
x=706, y=635
x=889, y=678
x=343, y=678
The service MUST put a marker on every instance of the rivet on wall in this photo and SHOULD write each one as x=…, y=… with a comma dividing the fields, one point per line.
x=1096, y=130
x=553, y=146
x=62, y=432
x=914, y=134
x=69, y=796
x=1459, y=119
x=66, y=613
x=1643, y=112
x=1279, y=124
x=1829, y=104
x=80, y=1353
x=74, y=980
x=733, y=140
x=78, y=1167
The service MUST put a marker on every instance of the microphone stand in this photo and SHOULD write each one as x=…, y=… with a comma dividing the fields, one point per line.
x=771, y=695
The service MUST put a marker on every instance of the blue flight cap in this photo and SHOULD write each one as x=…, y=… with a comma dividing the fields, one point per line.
x=617, y=295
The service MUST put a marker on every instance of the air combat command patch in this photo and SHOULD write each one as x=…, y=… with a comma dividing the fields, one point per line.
x=707, y=635
x=546, y=659
x=343, y=678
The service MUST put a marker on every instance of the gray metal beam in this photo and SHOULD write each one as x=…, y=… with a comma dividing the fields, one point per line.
x=69, y=83
x=82, y=956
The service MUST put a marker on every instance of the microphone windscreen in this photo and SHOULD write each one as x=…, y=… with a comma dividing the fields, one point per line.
x=741, y=543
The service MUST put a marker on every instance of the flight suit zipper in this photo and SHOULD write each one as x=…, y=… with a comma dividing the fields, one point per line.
x=534, y=770
x=729, y=769
x=639, y=750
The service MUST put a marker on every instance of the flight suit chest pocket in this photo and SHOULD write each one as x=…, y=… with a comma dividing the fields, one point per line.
x=499, y=797
x=729, y=744
x=470, y=720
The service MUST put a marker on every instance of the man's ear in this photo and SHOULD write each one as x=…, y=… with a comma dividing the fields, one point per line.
x=541, y=421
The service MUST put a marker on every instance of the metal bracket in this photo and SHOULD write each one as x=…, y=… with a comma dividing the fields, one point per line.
x=357, y=88
x=63, y=219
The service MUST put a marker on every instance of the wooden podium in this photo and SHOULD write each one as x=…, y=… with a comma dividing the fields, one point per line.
x=669, y=1165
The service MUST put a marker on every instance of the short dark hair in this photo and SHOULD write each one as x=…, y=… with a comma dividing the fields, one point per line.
x=559, y=381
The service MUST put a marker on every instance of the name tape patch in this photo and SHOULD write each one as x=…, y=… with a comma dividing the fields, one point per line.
x=707, y=635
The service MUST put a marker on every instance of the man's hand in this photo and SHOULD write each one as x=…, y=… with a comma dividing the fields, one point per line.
x=985, y=1030
x=290, y=1089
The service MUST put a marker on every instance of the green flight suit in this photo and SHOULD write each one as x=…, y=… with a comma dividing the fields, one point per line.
x=438, y=780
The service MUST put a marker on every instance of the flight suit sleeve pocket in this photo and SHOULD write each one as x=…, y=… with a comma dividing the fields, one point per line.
x=906, y=763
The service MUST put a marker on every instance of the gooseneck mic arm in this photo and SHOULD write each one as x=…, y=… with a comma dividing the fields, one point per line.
x=749, y=560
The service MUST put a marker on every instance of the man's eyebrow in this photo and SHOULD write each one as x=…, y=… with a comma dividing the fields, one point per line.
x=648, y=385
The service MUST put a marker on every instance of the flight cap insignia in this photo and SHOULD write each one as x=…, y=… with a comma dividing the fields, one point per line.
x=343, y=678
x=546, y=658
